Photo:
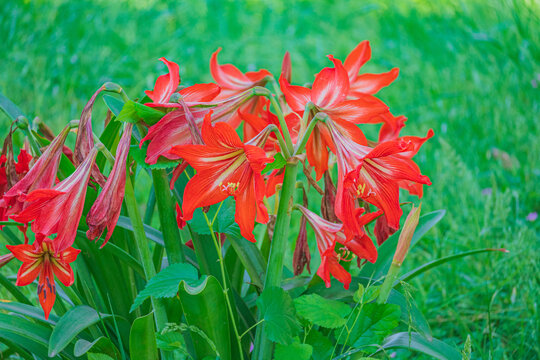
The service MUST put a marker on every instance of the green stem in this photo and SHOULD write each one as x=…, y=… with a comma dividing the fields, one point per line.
x=388, y=283
x=217, y=245
x=300, y=145
x=144, y=251
x=282, y=122
x=274, y=271
x=165, y=205
x=251, y=328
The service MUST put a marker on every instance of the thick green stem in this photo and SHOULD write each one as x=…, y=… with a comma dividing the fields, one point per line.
x=282, y=122
x=144, y=250
x=388, y=283
x=165, y=205
x=274, y=271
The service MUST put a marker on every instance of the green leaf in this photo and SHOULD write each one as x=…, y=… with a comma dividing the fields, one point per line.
x=70, y=325
x=225, y=220
x=366, y=295
x=134, y=112
x=294, y=351
x=277, y=310
x=114, y=104
x=139, y=155
x=321, y=311
x=101, y=345
x=205, y=309
x=414, y=273
x=142, y=339
x=28, y=310
x=322, y=347
x=278, y=163
x=410, y=314
x=371, y=323
x=415, y=341
x=95, y=356
x=9, y=108
x=165, y=283
x=171, y=341
x=251, y=257
x=28, y=335
x=151, y=234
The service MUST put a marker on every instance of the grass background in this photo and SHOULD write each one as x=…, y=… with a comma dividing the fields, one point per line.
x=469, y=70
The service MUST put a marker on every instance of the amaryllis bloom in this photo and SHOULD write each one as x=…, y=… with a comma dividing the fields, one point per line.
x=373, y=175
x=42, y=175
x=327, y=234
x=225, y=167
x=58, y=210
x=166, y=84
x=20, y=168
x=329, y=95
x=365, y=83
x=233, y=82
x=44, y=259
x=105, y=211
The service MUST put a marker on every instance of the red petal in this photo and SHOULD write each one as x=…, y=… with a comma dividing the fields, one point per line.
x=317, y=152
x=24, y=252
x=357, y=58
x=166, y=84
x=46, y=291
x=246, y=211
x=228, y=76
x=297, y=96
x=202, y=190
x=372, y=83
x=360, y=111
x=220, y=135
x=331, y=85
x=63, y=272
x=200, y=92
x=286, y=67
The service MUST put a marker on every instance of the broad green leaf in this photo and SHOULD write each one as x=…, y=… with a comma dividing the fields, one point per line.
x=28, y=310
x=365, y=295
x=97, y=356
x=134, y=112
x=414, y=341
x=30, y=336
x=388, y=248
x=277, y=310
x=430, y=265
x=139, y=155
x=294, y=351
x=101, y=345
x=370, y=324
x=224, y=223
x=321, y=311
x=142, y=339
x=322, y=346
x=151, y=233
x=165, y=283
x=278, y=163
x=205, y=308
x=11, y=287
x=70, y=325
x=114, y=104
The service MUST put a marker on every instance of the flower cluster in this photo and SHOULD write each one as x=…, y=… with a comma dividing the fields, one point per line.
x=316, y=124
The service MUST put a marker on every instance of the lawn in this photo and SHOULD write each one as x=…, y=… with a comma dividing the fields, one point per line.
x=470, y=70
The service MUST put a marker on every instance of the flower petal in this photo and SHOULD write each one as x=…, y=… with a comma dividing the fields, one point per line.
x=200, y=92
x=331, y=85
x=357, y=58
x=363, y=110
x=372, y=83
x=297, y=96
x=166, y=84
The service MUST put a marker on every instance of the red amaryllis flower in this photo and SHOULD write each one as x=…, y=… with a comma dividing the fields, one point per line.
x=106, y=209
x=329, y=95
x=233, y=82
x=21, y=168
x=225, y=166
x=41, y=176
x=327, y=234
x=166, y=84
x=373, y=175
x=44, y=259
x=365, y=83
x=58, y=210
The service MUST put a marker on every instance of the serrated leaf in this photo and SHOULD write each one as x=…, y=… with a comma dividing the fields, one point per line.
x=114, y=104
x=277, y=309
x=294, y=351
x=371, y=323
x=134, y=112
x=139, y=155
x=165, y=283
x=321, y=311
x=363, y=295
x=278, y=163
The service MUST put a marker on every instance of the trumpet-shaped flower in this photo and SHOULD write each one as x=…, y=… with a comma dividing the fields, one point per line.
x=106, y=209
x=46, y=260
x=225, y=167
x=58, y=210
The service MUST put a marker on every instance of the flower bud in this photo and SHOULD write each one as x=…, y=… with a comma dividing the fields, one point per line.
x=406, y=235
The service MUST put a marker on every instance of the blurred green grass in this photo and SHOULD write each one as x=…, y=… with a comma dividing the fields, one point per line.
x=469, y=70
